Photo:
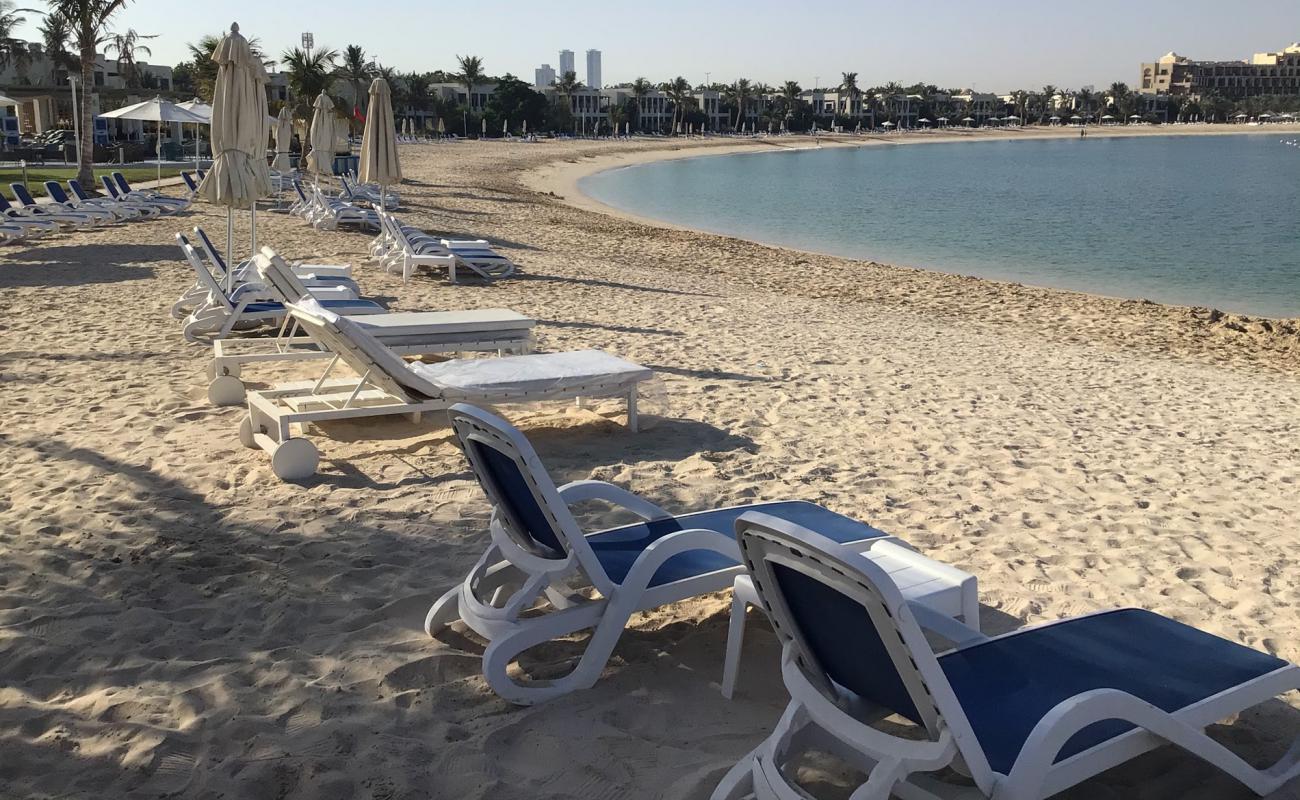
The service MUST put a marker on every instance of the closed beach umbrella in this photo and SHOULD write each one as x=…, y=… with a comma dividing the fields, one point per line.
x=442, y=126
x=525, y=127
x=484, y=127
x=379, y=162
x=505, y=127
x=156, y=110
x=283, y=136
x=238, y=176
x=323, y=136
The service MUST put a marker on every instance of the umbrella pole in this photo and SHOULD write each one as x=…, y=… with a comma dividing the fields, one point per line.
x=158, y=184
x=252, y=216
x=230, y=250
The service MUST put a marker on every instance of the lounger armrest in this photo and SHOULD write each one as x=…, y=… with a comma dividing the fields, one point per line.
x=944, y=625
x=582, y=491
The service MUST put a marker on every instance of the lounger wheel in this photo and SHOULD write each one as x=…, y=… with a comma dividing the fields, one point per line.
x=246, y=432
x=226, y=390
x=294, y=460
x=233, y=370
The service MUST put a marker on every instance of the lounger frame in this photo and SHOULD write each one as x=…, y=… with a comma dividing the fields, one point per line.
x=897, y=766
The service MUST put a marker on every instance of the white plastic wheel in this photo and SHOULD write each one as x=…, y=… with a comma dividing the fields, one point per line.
x=226, y=390
x=294, y=460
x=246, y=432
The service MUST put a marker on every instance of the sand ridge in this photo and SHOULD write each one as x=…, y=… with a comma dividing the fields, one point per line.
x=175, y=622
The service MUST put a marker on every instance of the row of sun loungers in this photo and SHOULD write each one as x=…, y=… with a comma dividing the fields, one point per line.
x=406, y=248
x=1020, y=716
x=31, y=219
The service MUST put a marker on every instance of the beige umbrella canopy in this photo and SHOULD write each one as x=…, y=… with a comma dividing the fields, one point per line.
x=239, y=175
x=283, y=130
x=379, y=162
x=323, y=136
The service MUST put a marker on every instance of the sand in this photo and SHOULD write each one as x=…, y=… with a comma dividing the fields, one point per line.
x=174, y=622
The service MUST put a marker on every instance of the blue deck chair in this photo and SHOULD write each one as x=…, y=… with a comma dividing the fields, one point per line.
x=115, y=211
x=112, y=201
x=247, y=307
x=159, y=206
x=1025, y=715
x=315, y=275
x=539, y=552
x=92, y=216
x=152, y=195
x=34, y=211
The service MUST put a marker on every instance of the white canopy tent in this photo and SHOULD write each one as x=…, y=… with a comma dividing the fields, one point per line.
x=156, y=110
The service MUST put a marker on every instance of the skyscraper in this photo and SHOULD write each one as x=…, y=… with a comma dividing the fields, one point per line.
x=566, y=62
x=544, y=76
x=593, y=69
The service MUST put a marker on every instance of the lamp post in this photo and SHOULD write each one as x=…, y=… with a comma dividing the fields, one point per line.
x=76, y=117
x=308, y=42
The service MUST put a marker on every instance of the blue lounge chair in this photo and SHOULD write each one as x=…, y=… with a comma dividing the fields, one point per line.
x=111, y=201
x=247, y=307
x=55, y=209
x=161, y=206
x=1024, y=715
x=538, y=552
x=152, y=195
x=116, y=211
x=37, y=213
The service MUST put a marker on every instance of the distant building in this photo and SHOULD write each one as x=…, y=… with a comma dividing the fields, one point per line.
x=1264, y=74
x=566, y=63
x=45, y=97
x=544, y=76
x=593, y=69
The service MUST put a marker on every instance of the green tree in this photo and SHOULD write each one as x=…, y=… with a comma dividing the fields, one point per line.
x=308, y=76
x=515, y=102
x=90, y=21
x=640, y=89
x=12, y=50
x=127, y=45
x=1048, y=98
x=471, y=74
x=849, y=86
x=56, y=35
x=679, y=94
x=357, y=70
x=741, y=92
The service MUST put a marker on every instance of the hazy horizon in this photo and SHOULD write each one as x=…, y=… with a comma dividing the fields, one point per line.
x=997, y=46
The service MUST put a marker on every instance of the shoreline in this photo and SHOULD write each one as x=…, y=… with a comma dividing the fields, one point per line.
x=561, y=179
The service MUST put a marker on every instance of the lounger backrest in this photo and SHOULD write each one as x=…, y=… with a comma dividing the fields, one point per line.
x=56, y=193
x=121, y=182
x=359, y=350
x=110, y=187
x=77, y=190
x=206, y=280
x=280, y=278
x=24, y=196
x=209, y=250
x=189, y=182
x=297, y=187
x=525, y=502
x=845, y=619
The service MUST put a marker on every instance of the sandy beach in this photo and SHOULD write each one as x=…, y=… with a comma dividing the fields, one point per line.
x=176, y=622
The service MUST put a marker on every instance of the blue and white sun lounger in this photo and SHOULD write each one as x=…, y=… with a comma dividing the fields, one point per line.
x=1025, y=715
x=249, y=306
x=81, y=218
x=540, y=555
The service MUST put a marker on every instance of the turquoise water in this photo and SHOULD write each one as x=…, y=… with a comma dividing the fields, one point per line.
x=1192, y=220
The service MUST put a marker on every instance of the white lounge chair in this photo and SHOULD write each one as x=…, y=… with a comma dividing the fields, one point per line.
x=1025, y=715
x=389, y=386
x=129, y=209
x=117, y=211
x=47, y=218
x=526, y=589
x=411, y=333
x=249, y=306
x=403, y=247
x=81, y=218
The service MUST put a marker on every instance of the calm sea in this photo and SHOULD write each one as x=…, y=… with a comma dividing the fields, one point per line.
x=1191, y=220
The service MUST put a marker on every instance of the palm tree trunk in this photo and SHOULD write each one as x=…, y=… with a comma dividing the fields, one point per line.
x=86, y=163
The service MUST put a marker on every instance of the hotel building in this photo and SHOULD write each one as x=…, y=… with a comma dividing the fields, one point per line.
x=1264, y=74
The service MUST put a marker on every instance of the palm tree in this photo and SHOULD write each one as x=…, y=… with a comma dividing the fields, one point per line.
x=640, y=88
x=55, y=34
x=12, y=50
x=1119, y=97
x=1084, y=98
x=1049, y=102
x=89, y=21
x=679, y=92
x=126, y=45
x=308, y=76
x=741, y=91
x=849, y=86
x=471, y=74
x=357, y=70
